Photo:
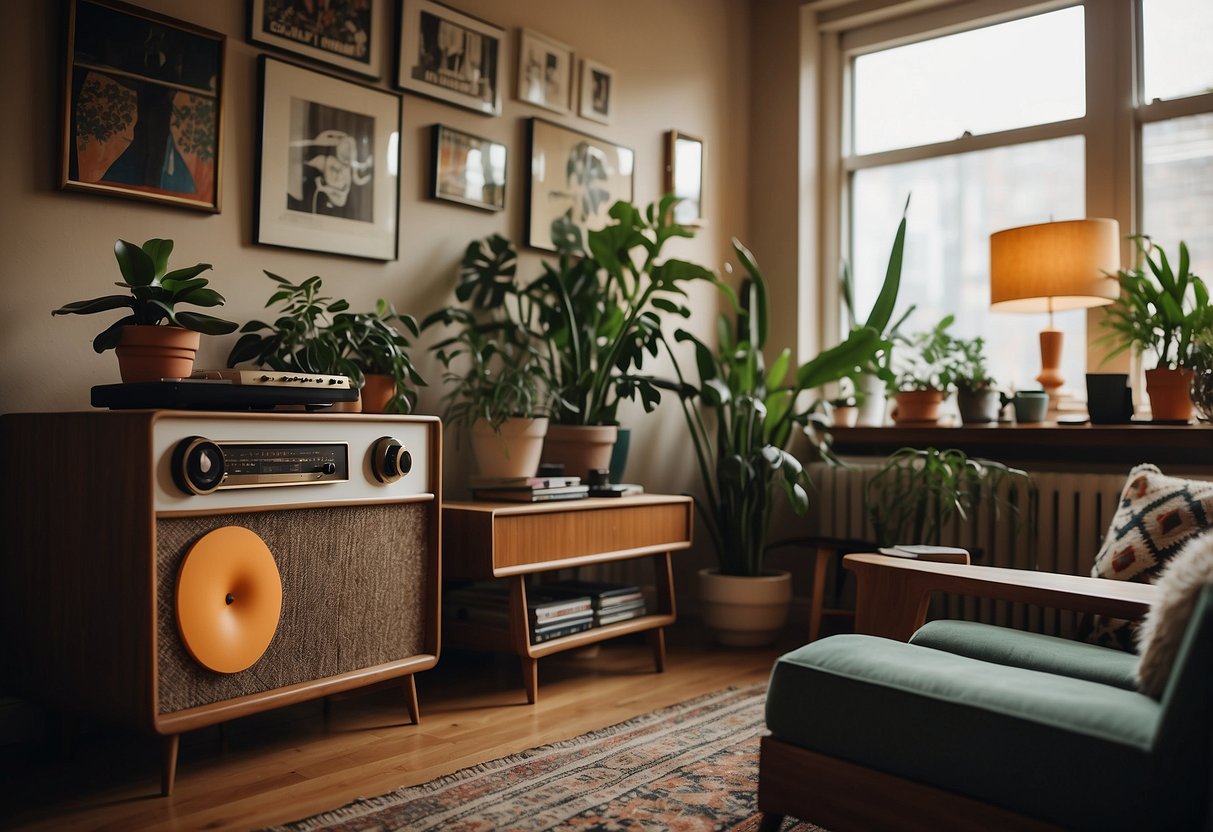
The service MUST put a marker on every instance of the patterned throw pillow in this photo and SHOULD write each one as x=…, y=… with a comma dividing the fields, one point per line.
x=1155, y=517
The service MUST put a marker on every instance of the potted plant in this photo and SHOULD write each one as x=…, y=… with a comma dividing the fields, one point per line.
x=874, y=377
x=916, y=493
x=741, y=451
x=380, y=353
x=315, y=333
x=926, y=375
x=843, y=411
x=977, y=396
x=154, y=340
x=499, y=386
x=1161, y=311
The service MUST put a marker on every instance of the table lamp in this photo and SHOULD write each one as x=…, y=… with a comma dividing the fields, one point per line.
x=1051, y=267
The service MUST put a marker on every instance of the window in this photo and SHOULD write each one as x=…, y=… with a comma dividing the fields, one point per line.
x=991, y=123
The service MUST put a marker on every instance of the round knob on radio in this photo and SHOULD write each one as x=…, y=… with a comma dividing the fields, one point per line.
x=390, y=460
x=198, y=465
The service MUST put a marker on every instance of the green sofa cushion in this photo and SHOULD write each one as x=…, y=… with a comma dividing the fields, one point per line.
x=1032, y=651
x=1005, y=735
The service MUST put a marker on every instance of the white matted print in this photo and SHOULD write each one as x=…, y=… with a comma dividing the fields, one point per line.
x=597, y=91
x=346, y=34
x=545, y=72
x=451, y=56
x=572, y=173
x=330, y=152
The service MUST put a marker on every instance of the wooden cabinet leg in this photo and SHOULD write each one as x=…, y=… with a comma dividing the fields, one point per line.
x=820, y=565
x=410, y=698
x=168, y=767
x=530, y=678
x=657, y=642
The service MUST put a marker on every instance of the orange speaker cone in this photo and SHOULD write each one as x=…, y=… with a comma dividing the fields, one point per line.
x=229, y=598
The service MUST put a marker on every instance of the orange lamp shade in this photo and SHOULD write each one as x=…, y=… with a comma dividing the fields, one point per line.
x=229, y=599
x=1055, y=266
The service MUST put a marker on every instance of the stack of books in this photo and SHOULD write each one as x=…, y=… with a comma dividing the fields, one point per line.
x=549, y=616
x=611, y=602
x=528, y=489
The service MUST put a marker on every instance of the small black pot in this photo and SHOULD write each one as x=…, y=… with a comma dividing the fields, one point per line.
x=979, y=407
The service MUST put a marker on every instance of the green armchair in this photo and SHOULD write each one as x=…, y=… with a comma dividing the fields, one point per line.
x=972, y=726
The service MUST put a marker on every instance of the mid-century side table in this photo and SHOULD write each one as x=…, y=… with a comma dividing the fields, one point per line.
x=481, y=541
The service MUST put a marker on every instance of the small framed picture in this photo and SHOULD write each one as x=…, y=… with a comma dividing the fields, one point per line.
x=139, y=128
x=684, y=176
x=328, y=161
x=468, y=169
x=345, y=35
x=597, y=91
x=545, y=72
x=572, y=173
x=451, y=56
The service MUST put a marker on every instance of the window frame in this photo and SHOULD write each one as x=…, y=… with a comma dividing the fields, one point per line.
x=1111, y=127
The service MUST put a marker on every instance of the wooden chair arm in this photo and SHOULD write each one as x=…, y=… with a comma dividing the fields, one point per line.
x=892, y=593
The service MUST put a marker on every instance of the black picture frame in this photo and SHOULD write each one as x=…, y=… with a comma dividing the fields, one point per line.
x=151, y=131
x=572, y=172
x=468, y=170
x=471, y=77
x=343, y=35
x=328, y=163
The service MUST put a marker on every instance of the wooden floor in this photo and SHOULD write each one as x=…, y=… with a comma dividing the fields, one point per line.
x=294, y=762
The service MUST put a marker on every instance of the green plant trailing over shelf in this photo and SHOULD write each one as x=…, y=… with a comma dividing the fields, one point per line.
x=916, y=493
x=1160, y=311
x=154, y=294
x=503, y=372
x=316, y=334
x=741, y=453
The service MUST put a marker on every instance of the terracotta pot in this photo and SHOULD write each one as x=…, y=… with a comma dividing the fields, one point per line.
x=150, y=353
x=845, y=416
x=580, y=448
x=745, y=611
x=511, y=451
x=377, y=392
x=1170, y=393
x=917, y=406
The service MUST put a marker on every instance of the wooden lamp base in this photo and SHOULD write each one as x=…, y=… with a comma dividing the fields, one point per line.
x=1050, y=377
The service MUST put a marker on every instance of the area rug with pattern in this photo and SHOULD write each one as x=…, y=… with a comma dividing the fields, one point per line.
x=689, y=767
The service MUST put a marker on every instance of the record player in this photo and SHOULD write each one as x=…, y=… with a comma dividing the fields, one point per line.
x=229, y=390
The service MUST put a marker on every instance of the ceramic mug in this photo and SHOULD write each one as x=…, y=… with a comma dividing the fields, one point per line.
x=1109, y=398
x=1031, y=405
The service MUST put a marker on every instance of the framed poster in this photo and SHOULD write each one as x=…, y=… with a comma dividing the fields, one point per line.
x=143, y=106
x=597, y=91
x=545, y=72
x=346, y=35
x=451, y=56
x=467, y=169
x=572, y=173
x=684, y=176
x=328, y=160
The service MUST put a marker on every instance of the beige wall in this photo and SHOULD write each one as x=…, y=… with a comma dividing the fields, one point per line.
x=679, y=64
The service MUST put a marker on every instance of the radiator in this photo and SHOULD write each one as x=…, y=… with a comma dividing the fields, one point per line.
x=1074, y=511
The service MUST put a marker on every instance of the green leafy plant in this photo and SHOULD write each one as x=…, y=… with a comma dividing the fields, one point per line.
x=315, y=333
x=929, y=360
x=916, y=493
x=741, y=451
x=494, y=366
x=1161, y=310
x=154, y=294
x=969, y=370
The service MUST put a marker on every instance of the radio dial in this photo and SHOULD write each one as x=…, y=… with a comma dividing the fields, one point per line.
x=198, y=465
x=390, y=460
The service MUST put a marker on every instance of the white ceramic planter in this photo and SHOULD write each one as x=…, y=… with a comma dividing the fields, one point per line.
x=745, y=612
x=513, y=451
x=874, y=402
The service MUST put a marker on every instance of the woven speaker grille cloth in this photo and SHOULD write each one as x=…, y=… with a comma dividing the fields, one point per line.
x=353, y=596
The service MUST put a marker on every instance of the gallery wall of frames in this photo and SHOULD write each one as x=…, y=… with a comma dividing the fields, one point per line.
x=143, y=118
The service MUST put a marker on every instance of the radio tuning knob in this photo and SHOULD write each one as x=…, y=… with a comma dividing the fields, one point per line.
x=198, y=466
x=390, y=460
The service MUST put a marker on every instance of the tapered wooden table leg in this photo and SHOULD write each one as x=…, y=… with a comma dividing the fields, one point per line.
x=820, y=565
x=168, y=769
x=530, y=679
x=657, y=642
x=410, y=698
